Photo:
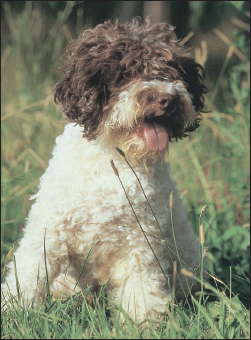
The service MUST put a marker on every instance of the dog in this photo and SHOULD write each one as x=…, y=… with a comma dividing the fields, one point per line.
x=127, y=91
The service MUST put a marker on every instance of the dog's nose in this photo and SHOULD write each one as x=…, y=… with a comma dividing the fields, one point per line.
x=163, y=100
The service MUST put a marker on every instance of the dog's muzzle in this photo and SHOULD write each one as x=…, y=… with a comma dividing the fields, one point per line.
x=151, y=130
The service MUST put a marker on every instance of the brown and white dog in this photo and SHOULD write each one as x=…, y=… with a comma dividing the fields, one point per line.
x=134, y=87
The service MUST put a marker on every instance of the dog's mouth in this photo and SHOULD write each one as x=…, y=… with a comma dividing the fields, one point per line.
x=154, y=134
x=160, y=123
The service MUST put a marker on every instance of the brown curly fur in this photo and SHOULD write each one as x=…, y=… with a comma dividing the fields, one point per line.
x=107, y=58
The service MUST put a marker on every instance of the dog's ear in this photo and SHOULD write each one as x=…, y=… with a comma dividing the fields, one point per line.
x=82, y=95
x=193, y=74
x=92, y=70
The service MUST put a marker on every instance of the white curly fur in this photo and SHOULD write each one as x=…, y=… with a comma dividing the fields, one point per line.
x=80, y=201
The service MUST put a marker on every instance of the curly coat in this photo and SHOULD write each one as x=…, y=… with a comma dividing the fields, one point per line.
x=105, y=59
x=133, y=87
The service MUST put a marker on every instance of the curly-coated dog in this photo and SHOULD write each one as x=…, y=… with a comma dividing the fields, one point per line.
x=135, y=87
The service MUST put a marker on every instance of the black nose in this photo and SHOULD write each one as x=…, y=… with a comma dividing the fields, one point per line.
x=163, y=100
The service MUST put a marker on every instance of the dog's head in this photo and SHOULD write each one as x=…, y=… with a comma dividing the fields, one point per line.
x=132, y=83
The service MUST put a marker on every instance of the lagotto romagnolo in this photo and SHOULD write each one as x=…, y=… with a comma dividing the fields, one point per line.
x=136, y=87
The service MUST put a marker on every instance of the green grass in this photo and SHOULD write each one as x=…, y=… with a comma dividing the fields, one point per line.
x=213, y=169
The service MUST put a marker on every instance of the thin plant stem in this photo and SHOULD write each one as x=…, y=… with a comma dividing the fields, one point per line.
x=217, y=85
x=89, y=253
x=175, y=244
x=123, y=155
x=46, y=270
x=117, y=174
x=163, y=237
x=202, y=241
x=16, y=277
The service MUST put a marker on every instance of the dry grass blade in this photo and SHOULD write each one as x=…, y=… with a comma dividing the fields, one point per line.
x=47, y=285
x=86, y=260
x=117, y=174
x=123, y=155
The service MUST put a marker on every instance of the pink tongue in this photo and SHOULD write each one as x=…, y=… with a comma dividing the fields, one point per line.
x=155, y=135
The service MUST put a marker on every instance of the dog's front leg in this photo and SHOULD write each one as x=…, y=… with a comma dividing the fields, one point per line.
x=35, y=261
x=141, y=287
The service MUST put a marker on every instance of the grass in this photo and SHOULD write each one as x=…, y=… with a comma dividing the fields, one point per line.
x=217, y=157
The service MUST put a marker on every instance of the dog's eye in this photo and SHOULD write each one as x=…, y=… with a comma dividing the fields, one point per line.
x=128, y=74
